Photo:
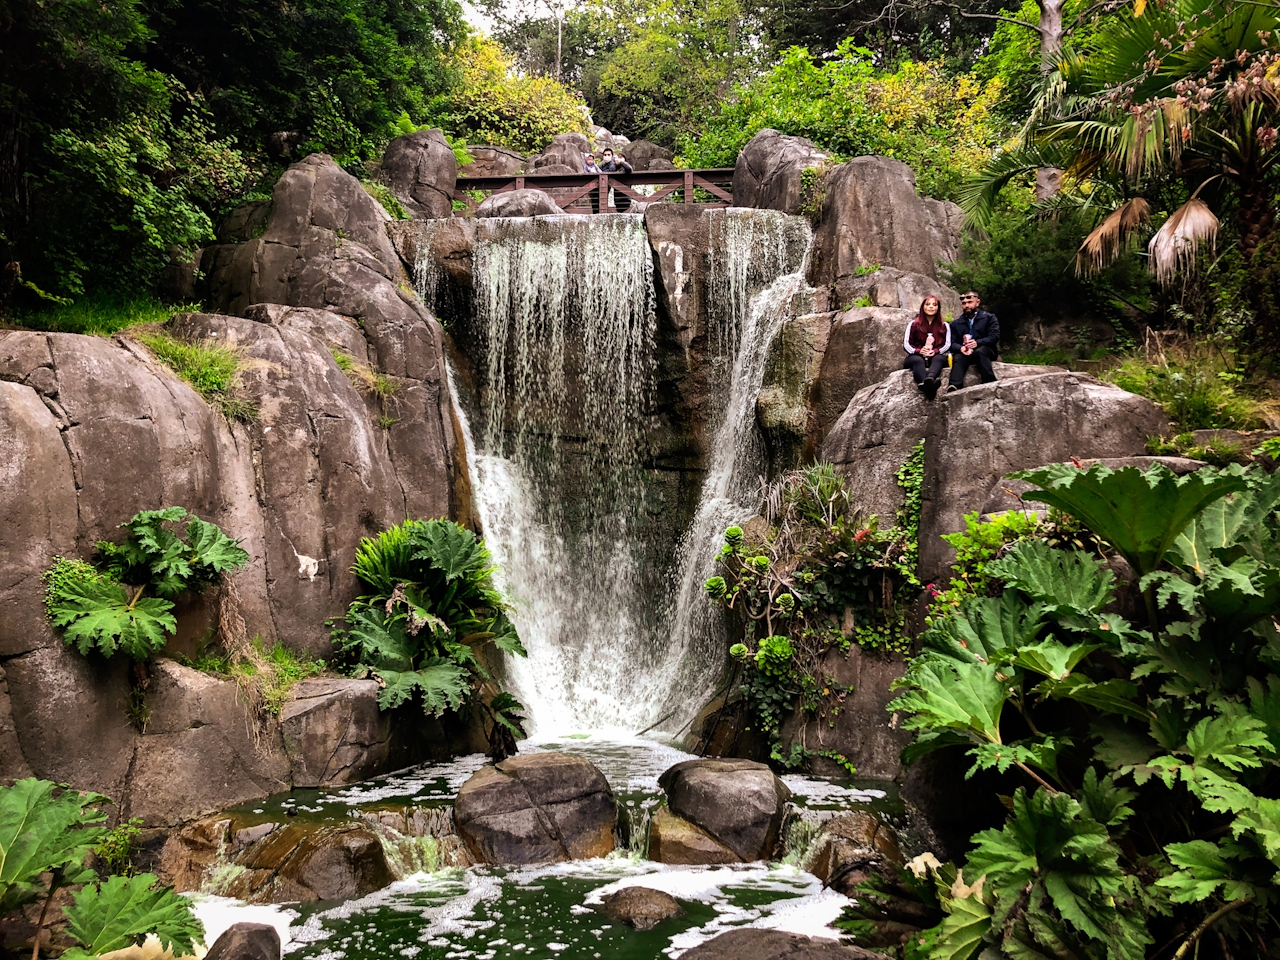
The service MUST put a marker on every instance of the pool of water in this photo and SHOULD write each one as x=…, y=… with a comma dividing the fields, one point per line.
x=548, y=912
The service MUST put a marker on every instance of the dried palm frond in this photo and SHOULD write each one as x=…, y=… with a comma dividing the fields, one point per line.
x=1174, y=247
x=1113, y=237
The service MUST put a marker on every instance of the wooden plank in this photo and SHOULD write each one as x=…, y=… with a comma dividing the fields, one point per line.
x=713, y=189
x=688, y=186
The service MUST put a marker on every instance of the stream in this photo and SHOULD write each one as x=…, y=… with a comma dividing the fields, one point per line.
x=546, y=911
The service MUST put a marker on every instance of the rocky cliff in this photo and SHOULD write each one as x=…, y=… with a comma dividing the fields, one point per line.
x=98, y=430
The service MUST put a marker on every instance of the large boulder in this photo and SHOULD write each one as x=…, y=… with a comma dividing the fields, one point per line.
x=246, y=941
x=334, y=732
x=891, y=287
x=565, y=149
x=769, y=171
x=201, y=749
x=640, y=907
x=974, y=437
x=491, y=161
x=850, y=848
x=673, y=839
x=641, y=154
x=754, y=944
x=422, y=171
x=518, y=203
x=871, y=216
x=740, y=803
x=537, y=808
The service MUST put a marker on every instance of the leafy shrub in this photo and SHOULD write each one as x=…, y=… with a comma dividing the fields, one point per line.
x=105, y=605
x=981, y=542
x=819, y=579
x=1139, y=756
x=116, y=850
x=1195, y=395
x=431, y=601
x=491, y=104
x=210, y=368
x=46, y=835
x=938, y=124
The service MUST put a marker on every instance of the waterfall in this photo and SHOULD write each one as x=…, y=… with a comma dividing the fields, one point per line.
x=619, y=634
x=756, y=283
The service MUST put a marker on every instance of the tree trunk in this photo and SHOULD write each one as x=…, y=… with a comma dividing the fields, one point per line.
x=1049, y=179
x=1255, y=217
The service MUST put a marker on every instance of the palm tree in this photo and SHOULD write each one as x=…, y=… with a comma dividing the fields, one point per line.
x=1184, y=93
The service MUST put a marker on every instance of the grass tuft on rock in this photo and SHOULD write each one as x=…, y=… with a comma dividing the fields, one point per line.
x=99, y=315
x=211, y=369
x=267, y=675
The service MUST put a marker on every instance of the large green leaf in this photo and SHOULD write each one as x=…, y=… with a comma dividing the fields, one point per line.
x=1226, y=524
x=1203, y=867
x=451, y=549
x=213, y=549
x=1052, y=658
x=96, y=612
x=123, y=910
x=962, y=931
x=985, y=628
x=43, y=829
x=377, y=640
x=945, y=695
x=442, y=683
x=1140, y=513
x=1065, y=581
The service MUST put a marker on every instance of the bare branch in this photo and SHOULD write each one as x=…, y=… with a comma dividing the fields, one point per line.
x=986, y=16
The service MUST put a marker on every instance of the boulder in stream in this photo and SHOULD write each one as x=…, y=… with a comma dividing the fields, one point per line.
x=246, y=941
x=640, y=907
x=739, y=803
x=674, y=839
x=849, y=848
x=753, y=944
x=537, y=808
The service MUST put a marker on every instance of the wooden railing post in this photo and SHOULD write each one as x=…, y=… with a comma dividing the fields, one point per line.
x=519, y=183
x=688, y=186
x=605, y=207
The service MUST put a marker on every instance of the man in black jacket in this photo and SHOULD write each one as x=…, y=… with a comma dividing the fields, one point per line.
x=611, y=164
x=975, y=338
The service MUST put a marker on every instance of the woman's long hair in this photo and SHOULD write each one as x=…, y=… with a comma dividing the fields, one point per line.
x=936, y=326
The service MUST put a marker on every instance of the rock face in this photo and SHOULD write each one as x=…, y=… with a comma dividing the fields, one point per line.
x=871, y=215
x=754, y=944
x=641, y=154
x=891, y=287
x=640, y=907
x=673, y=839
x=422, y=171
x=537, y=808
x=491, y=161
x=974, y=437
x=246, y=941
x=849, y=848
x=769, y=168
x=566, y=149
x=518, y=203
x=334, y=732
x=739, y=803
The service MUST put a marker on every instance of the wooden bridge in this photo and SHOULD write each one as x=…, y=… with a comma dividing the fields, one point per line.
x=590, y=192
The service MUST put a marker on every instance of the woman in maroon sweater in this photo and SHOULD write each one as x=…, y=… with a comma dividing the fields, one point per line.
x=927, y=340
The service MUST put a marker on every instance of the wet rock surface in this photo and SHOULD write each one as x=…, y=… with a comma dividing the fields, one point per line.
x=850, y=848
x=640, y=907
x=775, y=945
x=334, y=732
x=739, y=803
x=246, y=941
x=675, y=840
x=537, y=808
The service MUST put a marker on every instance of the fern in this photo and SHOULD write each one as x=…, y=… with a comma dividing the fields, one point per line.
x=123, y=910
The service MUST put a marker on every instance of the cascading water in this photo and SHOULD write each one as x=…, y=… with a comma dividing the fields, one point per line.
x=619, y=633
x=756, y=283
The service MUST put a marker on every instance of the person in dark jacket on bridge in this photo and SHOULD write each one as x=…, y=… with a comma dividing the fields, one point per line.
x=611, y=164
x=975, y=338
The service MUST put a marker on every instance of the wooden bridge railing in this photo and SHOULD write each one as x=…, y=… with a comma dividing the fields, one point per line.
x=589, y=192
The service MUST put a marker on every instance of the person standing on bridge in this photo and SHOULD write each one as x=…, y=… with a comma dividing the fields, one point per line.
x=611, y=164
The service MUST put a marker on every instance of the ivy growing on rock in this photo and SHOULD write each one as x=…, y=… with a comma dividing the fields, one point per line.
x=805, y=578
x=1139, y=746
x=431, y=604
x=123, y=600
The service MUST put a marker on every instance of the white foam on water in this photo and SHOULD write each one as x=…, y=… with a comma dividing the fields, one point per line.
x=817, y=792
x=219, y=913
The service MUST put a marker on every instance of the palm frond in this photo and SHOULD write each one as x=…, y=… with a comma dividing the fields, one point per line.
x=1174, y=248
x=1113, y=237
x=977, y=197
